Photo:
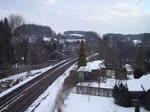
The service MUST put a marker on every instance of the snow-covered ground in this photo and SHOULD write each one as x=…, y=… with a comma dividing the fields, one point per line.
x=79, y=35
x=86, y=103
x=48, y=39
x=136, y=41
x=24, y=74
x=12, y=82
x=71, y=40
x=46, y=102
x=22, y=78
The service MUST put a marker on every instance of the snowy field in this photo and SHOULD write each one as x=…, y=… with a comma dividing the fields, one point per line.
x=85, y=103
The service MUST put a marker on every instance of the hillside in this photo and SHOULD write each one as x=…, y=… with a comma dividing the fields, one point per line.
x=122, y=36
x=32, y=29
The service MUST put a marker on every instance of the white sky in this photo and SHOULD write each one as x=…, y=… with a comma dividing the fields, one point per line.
x=102, y=16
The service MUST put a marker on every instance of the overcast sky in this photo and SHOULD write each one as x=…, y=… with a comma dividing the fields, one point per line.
x=102, y=16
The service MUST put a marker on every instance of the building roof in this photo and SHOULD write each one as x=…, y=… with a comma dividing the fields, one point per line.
x=141, y=84
x=134, y=85
x=145, y=82
x=94, y=65
x=84, y=69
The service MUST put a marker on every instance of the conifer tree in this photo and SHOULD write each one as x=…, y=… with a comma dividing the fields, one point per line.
x=121, y=95
x=140, y=58
x=6, y=51
x=140, y=63
x=116, y=93
x=137, y=107
x=147, y=63
x=8, y=36
x=1, y=41
x=82, y=55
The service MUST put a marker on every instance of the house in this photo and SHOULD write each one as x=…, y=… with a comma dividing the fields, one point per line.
x=92, y=71
x=136, y=91
x=145, y=84
x=140, y=89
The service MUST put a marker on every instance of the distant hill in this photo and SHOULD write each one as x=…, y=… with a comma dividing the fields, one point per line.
x=143, y=38
x=122, y=36
x=32, y=29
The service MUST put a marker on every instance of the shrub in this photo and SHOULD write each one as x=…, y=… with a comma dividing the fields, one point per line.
x=121, y=95
x=137, y=107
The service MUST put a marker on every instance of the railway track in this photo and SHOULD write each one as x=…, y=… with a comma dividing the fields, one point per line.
x=21, y=98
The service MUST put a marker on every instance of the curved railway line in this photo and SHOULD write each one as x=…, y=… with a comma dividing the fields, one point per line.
x=22, y=97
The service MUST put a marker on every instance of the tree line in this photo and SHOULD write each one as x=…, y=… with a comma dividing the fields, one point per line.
x=16, y=45
x=6, y=47
x=118, y=51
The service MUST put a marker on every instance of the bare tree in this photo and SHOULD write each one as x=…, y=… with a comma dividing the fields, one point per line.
x=15, y=20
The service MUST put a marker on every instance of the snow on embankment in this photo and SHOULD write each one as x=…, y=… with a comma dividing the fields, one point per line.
x=12, y=82
x=46, y=102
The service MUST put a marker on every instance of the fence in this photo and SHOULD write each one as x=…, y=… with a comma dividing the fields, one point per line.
x=93, y=91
